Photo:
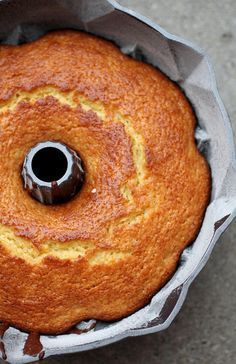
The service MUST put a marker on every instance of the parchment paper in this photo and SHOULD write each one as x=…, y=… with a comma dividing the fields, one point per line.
x=26, y=20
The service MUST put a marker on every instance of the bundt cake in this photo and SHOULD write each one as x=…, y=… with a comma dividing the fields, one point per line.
x=105, y=252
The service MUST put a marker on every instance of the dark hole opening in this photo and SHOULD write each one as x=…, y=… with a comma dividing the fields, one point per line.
x=49, y=164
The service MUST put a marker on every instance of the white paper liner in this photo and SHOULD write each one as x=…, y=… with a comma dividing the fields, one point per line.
x=26, y=20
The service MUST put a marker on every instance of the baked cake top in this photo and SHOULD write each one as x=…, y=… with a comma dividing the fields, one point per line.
x=108, y=250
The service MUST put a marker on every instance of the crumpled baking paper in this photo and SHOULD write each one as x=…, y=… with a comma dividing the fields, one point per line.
x=26, y=20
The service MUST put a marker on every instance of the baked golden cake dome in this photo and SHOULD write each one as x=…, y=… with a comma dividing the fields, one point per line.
x=105, y=252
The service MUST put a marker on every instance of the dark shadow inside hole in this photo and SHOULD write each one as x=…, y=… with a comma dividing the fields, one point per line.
x=49, y=164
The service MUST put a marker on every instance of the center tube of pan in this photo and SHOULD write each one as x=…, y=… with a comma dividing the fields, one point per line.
x=52, y=172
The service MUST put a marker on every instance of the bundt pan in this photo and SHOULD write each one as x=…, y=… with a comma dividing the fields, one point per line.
x=26, y=20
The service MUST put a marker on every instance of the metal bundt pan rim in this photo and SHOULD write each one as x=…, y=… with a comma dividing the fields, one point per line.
x=169, y=300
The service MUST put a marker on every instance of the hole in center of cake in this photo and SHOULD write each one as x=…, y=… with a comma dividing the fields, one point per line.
x=52, y=172
x=49, y=164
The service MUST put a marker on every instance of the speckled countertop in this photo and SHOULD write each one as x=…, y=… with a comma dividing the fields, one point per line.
x=205, y=330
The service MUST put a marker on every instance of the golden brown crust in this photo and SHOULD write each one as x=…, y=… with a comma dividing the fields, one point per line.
x=106, y=252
